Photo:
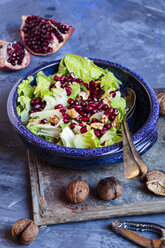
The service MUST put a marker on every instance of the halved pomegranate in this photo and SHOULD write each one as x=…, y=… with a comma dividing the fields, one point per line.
x=13, y=56
x=43, y=36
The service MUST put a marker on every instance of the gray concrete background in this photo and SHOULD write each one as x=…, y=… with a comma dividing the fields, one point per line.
x=129, y=32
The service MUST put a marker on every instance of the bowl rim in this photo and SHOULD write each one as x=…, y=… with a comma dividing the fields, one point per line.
x=90, y=152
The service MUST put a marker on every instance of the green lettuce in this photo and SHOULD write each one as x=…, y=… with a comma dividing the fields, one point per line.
x=67, y=137
x=111, y=137
x=43, y=84
x=23, y=108
x=119, y=103
x=75, y=91
x=82, y=67
x=25, y=89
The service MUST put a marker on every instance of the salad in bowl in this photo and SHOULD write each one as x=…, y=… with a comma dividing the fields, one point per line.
x=79, y=106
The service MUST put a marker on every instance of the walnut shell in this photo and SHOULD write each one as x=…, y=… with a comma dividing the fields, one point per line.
x=77, y=191
x=155, y=182
x=161, y=99
x=24, y=231
x=109, y=188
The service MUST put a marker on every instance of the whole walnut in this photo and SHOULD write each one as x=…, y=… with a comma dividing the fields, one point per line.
x=77, y=191
x=161, y=99
x=24, y=231
x=109, y=188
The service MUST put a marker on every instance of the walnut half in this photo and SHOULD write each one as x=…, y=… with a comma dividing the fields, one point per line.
x=97, y=125
x=54, y=119
x=155, y=182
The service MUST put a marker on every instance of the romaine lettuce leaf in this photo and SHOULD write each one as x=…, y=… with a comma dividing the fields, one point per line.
x=111, y=137
x=75, y=91
x=82, y=67
x=119, y=103
x=25, y=88
x=67, y=137
x=23, y=108
x=43, y=83
x=46, y=114
x=60, y=96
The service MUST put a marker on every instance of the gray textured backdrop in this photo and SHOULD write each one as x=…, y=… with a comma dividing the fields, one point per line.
x=129, y=32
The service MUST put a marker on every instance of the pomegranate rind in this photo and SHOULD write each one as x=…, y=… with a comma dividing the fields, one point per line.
x=3, y=61
x=55, y=49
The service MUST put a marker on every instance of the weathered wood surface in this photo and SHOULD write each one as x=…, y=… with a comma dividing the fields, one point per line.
x=48, y=185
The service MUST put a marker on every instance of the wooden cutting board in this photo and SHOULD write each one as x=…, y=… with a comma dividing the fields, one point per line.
x=48, y=184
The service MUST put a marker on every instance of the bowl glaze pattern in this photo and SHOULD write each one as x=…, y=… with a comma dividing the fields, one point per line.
x=142, y=123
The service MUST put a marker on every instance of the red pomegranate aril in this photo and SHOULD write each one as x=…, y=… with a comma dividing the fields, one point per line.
x=78, y=107
x=58, y=106
x=69, y=91
x=44, y=121
x=113, y=93
x=72, y=125
x=97, y=133
x=89, y=99
x=56, y=78
x=64, y=115
x=76, y=102
x=108, y=126
x=115, y=112
x=37, y=100
x=66, y=85
x=83, y=129
x=102, y=132
x=89, y=109
x=71, y=75
x=99, y=85
x=83, y=104
x=103, y=144
x=95, y=111
x=83, y=114
x=95, y=99
x=32, y=103
x=92, y=105
x=94, y=92
x=100, y=105
x=94, y=120
x=92, y=84
x=70, y=107
x=62, y=79
x=52, y=124
x=106, y=113
x=66, y=120
x=42, y=105
x=32, y=111
x=85, y=119
x=110, y=110
x=62, y=110
x=112, y=117
x=70, y=101
x=67, y=79
x=81, y=124
x=105, y=107
x=40, y=109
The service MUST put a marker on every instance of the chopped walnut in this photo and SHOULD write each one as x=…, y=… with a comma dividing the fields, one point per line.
x=115, y=123
x=54, y=119
x=84, y=95
x=35, y=120
x=72, y=113
x=58, y=84
x=97, y=125
x=108, y=99
x=104, y=119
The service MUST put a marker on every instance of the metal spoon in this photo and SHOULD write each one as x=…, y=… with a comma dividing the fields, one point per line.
x=133, y=163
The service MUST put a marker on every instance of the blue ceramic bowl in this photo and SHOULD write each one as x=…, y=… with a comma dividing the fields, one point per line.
x=142, y=123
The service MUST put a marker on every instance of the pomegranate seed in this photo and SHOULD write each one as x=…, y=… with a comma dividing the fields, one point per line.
x=70, y=101
x=84, y=119
x=110, y=110
x=76, y=102
x=64, y=115
x=102, y=132
x=83, y=114
x=38, y=100
x=69, y=91
x=43, y=106
x=83, y=129
x=106, y=113
x=95, y=99
x=108, y=126
x=67, y=79
x=71, y=76
x=95, y=111
x=99, y=85
x=86, y=85
x=94, y=92
x=115, y=112
x=78, y=107
x=70, y=107
x=103, y=144
x=32, y=103
x=94, y=120
x=81, y=124
x=66, y=120
x=52, y=124
x=92, y=84
x=89, y=99
x=77, y=118
x=83, y=104
x=100, y=105
x=88, y=115
x=72, y=125
x=32, y=111
x=40, y=109
x=104, y=128
x=37, y=106
x=112, y=117
x=44, y=121
x=97, y=132
x=113, y=93
x=62, y=78
x=56, y=78
x=62, y=110
x=92, y=105
x=66, y=85
x=89, y=109
x=58, y=106
x=105, y=107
